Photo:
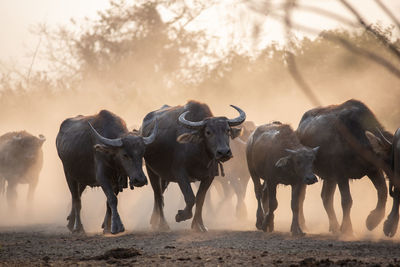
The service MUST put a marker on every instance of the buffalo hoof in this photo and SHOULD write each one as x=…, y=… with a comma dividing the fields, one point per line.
x=117, y=227
x=296, y=231
x=260, y=219
x=390, y=225
x=163, y=227
x=334, y=228
x=71, y=222
x=154, y=220
x=78, y=230
x=183, y=215
x=346, y=230
x=259, y=225
x=374, y=218
x=199, y=227
x=268, y=223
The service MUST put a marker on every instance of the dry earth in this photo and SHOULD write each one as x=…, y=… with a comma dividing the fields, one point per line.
x=51, y=245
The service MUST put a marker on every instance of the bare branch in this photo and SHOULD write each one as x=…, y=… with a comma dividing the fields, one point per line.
x=388, y=12
x=346, y=44
x=33, y=61
x=291, y=60
x=294, y=72
x=362, y=22
x=325, y=13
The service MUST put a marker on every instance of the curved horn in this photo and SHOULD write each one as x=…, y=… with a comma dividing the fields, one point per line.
x=117, y=142
x=291, y=151
x=383, y=137
x=238, y=120
x=42, y=137
x=190, y=124
x=150, y=139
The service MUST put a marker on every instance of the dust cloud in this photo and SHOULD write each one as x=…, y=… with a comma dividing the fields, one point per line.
x=281, y=100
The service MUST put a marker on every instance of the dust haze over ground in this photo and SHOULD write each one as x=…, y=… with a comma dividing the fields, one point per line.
x=53, y=200
x=276, y=97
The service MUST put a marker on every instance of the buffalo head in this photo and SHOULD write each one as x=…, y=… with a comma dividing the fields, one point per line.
x=128, y=151
x=300, y=162
x=28, y=144
x=215, y=133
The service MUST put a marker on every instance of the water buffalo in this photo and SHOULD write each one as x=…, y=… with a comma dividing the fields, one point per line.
x=189, y=146
x=236, y=172
x=21, y=159
x=345, y=153
x=99, y=150
x=275, y=154
x=390, y=155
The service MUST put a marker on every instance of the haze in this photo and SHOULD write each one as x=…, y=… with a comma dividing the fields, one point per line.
x=277, y=99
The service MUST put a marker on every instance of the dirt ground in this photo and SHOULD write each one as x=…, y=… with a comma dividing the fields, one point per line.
x=52, y=245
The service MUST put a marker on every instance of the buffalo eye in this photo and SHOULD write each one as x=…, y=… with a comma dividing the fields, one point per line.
x=208, y=133
x=126, y=156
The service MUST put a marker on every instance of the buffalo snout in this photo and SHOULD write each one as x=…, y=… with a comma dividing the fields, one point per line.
x=310, y=179
x=138, y=181
x=224, y=154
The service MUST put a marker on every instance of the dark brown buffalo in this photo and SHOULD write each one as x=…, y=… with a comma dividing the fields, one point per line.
x=345, y=153
x=99, y=150
x=21, y=160
x=189, y=146
x=390, y=155
x=275, y=155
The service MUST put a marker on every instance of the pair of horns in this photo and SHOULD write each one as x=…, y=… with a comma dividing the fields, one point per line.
x=199, y=124
x=117, y=142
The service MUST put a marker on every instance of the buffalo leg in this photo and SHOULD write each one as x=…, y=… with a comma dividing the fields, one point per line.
x=327, y=193
x=112, y=200
x=268, y=222
x=258, y=192
x=302, y=196
x=295, y=205
x=225, y=191
x=31, y=191
x=197, y=223
x=392, y=221
x=107, y=220
x=74, y=218
x=240, y=186
x=346, y=228
x=265, y=197
x=157, y=220
x=376, y=215
x=11, y=196
x=189, y=197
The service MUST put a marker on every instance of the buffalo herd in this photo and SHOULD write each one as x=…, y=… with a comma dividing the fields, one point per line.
x=187, y=144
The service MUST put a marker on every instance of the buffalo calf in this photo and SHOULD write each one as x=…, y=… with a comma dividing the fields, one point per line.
x=275, y=154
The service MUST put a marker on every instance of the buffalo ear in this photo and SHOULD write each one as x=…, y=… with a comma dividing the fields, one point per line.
x=380, y=147
x=236, y=132
x=315, y=150
x=192, y=137
x=104, y=149
x=282, y=162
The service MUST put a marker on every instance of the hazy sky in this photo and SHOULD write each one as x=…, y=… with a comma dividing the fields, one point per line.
x=18, y=16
